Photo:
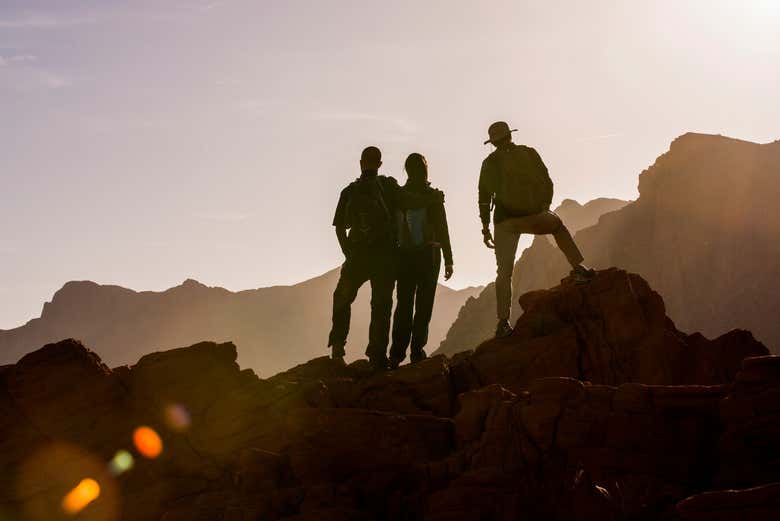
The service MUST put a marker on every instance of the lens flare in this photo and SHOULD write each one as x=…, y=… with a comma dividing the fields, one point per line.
x=177, y=417
x=147, y=442
x=82, y=495
x=121, y=462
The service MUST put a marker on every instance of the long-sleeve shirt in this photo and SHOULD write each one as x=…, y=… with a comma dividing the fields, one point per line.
x=489, y=179
x=438, y=232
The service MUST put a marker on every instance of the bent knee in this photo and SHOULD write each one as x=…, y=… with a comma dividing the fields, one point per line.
x=555, y=223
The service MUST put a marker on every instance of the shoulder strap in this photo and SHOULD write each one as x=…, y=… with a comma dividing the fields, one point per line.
x=382, y=197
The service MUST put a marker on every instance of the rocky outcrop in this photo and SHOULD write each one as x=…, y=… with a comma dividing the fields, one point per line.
x=612, y=330
x=702, y=233
x=122, y=325
x=477, y=319
x=477, y=436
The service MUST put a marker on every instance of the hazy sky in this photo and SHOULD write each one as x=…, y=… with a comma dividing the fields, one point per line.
x=146, y=142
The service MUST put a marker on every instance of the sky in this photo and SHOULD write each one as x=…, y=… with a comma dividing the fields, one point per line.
x=143, y=143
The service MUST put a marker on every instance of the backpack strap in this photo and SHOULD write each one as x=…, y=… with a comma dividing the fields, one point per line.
x=382, y=198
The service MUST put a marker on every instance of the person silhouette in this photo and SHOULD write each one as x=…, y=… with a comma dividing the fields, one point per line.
x=423, y=236
x=366, y=230
x=515, y=186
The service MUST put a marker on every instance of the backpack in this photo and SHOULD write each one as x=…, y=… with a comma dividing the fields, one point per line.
x=414, y=229
x=367, y=213
x=522, y=186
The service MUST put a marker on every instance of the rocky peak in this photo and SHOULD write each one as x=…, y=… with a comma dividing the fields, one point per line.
x=192, y=283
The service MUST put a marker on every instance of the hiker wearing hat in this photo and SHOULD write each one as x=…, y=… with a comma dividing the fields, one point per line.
x=514, y=183
x=423, y=238
x=367, y=208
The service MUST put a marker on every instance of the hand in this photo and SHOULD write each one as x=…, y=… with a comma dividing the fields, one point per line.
x=448, y=271
x=487, y=238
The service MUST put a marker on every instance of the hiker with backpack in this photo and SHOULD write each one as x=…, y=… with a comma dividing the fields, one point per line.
x=423, y=236
x=367, y=233
x=514, y=184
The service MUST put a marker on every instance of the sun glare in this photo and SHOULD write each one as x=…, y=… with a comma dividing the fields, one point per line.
x=82, y=495
x=147, y=442
x=121, y=462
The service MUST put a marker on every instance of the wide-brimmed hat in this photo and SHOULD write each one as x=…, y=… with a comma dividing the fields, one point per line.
x=498, y=131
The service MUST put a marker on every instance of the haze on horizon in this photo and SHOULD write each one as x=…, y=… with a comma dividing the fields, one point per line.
x=144, y=142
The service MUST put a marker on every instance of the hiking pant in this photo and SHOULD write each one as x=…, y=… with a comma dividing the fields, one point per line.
x=418, y=275
x=507, y=235
x=379, y=268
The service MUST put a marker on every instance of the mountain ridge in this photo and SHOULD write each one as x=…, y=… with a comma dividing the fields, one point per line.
x=120, y=322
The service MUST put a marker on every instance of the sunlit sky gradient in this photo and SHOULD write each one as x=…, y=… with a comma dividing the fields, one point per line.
x=147, y=142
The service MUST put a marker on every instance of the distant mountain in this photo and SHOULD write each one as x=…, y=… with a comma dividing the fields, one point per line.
x=274, y=327
x=704, y=233
x=477, y=320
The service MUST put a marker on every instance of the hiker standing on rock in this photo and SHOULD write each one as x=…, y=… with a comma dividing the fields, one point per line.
x=514, y=181
x=367, y=208
x=423, y=236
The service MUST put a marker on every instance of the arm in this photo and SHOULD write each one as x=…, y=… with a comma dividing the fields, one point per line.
x=444, y=239
x=341, y=235
x=340, y=222
x=485, y=198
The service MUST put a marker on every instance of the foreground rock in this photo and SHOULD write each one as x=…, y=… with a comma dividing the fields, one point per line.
x=491, y=435
x=611, y=330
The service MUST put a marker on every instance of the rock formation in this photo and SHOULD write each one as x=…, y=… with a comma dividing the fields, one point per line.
x=597, y=408
x=476, y=321
x=702, y=233
x=121, y=325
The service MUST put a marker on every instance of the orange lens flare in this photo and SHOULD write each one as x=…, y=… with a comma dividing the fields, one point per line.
x=82, y=495
x=147, y=442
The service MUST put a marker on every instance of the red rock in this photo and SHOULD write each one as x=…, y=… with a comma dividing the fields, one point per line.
x=612, y=330
x=508, y=431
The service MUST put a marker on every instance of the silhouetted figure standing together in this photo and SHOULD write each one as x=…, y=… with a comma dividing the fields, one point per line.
x=423, y=236
x=514, y=181
x=367, y=208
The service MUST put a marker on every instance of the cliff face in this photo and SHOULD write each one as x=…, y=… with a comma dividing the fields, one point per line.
x=702, y=233
x=121, y=325
x=509, y=431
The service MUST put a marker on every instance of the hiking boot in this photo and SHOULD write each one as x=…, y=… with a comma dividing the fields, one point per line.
x=378, y=364
x=582, y=274
x=337, y=353
x=395, y=363
x=503, y=329
x=418, y=356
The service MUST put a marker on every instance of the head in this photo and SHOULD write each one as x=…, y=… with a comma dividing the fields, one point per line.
x=370, y=159
x=416, y=167
x=500, y=134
